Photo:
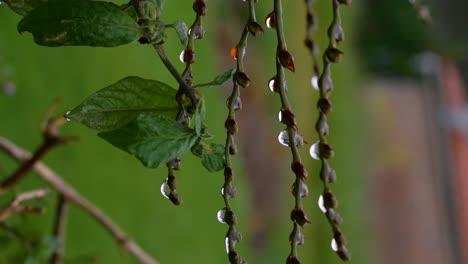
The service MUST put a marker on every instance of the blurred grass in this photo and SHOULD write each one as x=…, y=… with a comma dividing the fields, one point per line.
x=130, y=193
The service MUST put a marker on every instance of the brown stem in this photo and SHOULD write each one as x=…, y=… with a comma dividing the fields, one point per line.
x=74, y=197
x=61, y=217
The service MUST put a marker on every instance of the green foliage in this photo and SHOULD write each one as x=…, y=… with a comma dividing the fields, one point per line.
x=153, y=138
x=120, y=103
x=182, y=31
x=80, y=22
x=22, y=7
x=213, y=158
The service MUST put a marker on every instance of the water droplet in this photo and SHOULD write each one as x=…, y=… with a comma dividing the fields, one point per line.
x=321, y=204
x=165, y=190
x=314, y=151
x=221, y=216
x=237, y=104
x=283, y=138
x=280, y=116
x=234, y=53
x=226, y=241
x=315, y=83
x=230, y=191
x=9, y=88
x=334, y=245
x=303, y=189
x=66, y=116
x=181, y=56
x=299, y=238
x=271, y=85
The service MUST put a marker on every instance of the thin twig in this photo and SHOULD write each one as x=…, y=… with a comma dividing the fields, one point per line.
x=16, y=206
x=74, y=197
x=60, y=226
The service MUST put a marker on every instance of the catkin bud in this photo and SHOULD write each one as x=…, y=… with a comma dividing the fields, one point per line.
x=286, y=60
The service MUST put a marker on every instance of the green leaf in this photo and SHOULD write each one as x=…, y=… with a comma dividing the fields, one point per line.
x=118, y=104
x=80, y=23
x=153, y=139
x=200, y=116
x=22, y=7
x=214, y=159
x=182, y=31
x=221, y=79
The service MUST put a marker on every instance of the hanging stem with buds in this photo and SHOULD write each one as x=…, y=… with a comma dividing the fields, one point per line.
x=290, y=136
x=322, y=150
x=234, y=103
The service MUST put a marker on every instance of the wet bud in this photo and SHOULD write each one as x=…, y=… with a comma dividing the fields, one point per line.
x=334, y=216
x=143, y=40
x=232, y=147
x=344, y=254
x=254, y=28
x=333, y=54
x=229, y=190
x=174, y=198
x=270, y=20
x=273, y=85
x=234, y=258
x=325, y=172
x=345, y=2
x=176, y=164
x=286, y=59
x=330, y=200
x=296, y=237
x=292, y=260
x=299, y=169
x=339, y=33
x=340, y=238
x=230, y=218
x=199, y=32
x=288, y=118
x=189, y=56
x=231, y=126
x=322, y=125
x=228, y=174
x=326, y=83
x=298, y=216
x=242, y=79
x=324, y=105
x=199, y=7
x=326, y=151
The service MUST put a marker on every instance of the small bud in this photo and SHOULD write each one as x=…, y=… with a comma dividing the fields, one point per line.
x=176, y=164
x=174, y=198
x=189, y=56
x=230, y=218
x=254, y=28
x=334, y=216
x=326, y=151
x=296, y=237
x=228, y=174
x=298, y=216
x=231, y=125
x=324, y=105
x=234, y=258
x=286, y=59
x=344, y=254
x=325, y=172
x=333, y=54
x=322, y=125
x=199, y=32
x=232, y=147
x=292, y=260
x=288, y=118
x=339, y=33
x=340, y=238
x=143, y=40
x=242, y=79
x=330, y=200
x=199, y=7
x=299, y=169
x=270, y=20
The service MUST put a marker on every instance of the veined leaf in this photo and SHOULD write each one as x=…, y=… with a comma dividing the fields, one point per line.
x=213, y=160
x=118, y=104
x=182, y=31
x=80, y=23
x=200, y=116
x=221, y=79
x=22, y=7
x=153, y=139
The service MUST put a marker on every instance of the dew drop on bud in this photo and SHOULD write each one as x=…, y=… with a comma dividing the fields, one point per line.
x=315, y=83
x=66, y=116
x=280, y=116
x=334, y=245
x=314, y=150
x=283, y=138
x=226, y=241
x=303, y=189
x=299, y=238
x=233, y=53
x=270, y=20
x=221, y=215
x=321, y=204
x=181, y=56
x=165, y=190
x=271, y=85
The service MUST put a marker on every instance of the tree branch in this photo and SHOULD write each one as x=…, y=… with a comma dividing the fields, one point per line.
x=74, y=197
x=16, y=207
x=61, y=217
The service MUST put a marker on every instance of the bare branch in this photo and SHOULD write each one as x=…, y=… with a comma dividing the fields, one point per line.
x=60, y=227
x=74, y=197
x=16, y=206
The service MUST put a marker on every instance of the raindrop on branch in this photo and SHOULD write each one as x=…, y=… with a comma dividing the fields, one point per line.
x=314, y=151
x=221, y=215
x=321, y=204
x=165, y=189
x=315, y=83
x=334, y=245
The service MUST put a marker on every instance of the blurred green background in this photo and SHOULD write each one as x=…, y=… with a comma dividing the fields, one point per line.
x=129, y=193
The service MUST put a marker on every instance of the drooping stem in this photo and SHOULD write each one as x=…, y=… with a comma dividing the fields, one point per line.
x=292, y=138
x=234, y=103
x=322, y=150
